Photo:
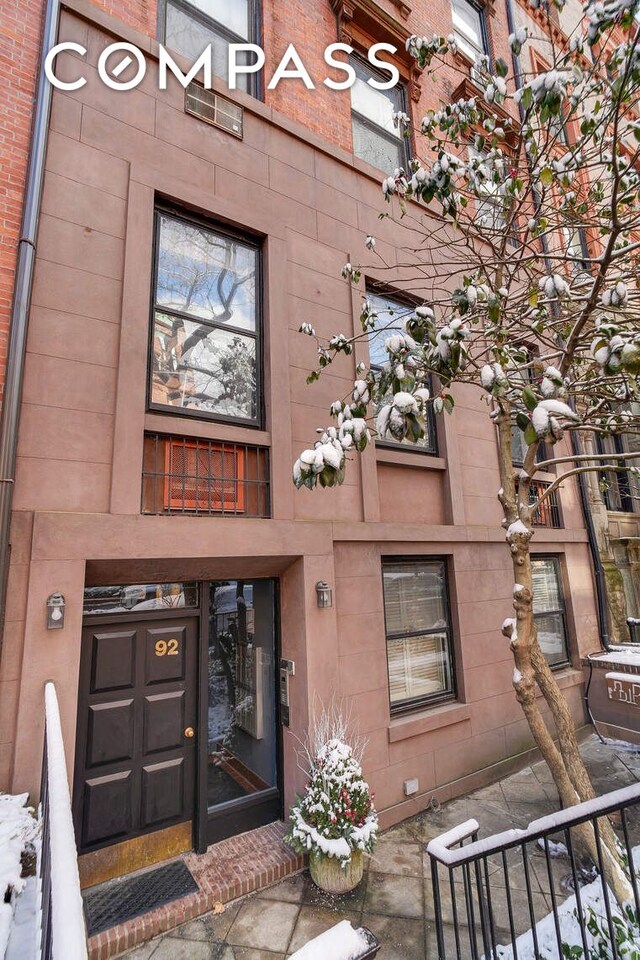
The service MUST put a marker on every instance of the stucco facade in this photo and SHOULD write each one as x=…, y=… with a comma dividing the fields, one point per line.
x=112, y=156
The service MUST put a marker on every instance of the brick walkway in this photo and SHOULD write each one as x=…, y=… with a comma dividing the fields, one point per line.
x=228, y=870
x=394, y=899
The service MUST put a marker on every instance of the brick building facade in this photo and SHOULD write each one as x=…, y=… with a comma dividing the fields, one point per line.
x=163, y=407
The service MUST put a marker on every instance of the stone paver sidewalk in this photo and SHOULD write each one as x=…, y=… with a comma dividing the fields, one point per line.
x=394, y=899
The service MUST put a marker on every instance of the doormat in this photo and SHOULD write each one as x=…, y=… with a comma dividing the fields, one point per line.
x=120, y=900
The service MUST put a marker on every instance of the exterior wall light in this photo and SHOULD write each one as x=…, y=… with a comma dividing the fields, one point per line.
x=323, y=593
x=55, y=612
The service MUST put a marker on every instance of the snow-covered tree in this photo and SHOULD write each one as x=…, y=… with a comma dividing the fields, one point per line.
x=522, y=214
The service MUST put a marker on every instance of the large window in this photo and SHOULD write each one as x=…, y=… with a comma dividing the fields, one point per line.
x=548, y=610
x=620, y=488
x=376, y=138
x=390, y=313
x=190, y=25
x=469, y=28
x=205, y=351
x=419, y=648
x=490, y=201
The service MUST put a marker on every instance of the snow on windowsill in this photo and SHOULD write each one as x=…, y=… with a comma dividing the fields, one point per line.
x=626, y=655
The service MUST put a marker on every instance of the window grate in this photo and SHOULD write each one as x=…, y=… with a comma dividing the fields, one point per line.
x=548, y=513
x=204, y=477
x=214, y=109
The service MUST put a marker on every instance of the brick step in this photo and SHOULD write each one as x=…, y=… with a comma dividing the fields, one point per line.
x=228, y=870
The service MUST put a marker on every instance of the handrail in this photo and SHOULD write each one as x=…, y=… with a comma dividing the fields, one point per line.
x=487, y=909
x=63, y=929
x=439, y=847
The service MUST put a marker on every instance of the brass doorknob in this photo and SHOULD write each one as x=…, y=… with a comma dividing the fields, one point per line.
x=189, y=733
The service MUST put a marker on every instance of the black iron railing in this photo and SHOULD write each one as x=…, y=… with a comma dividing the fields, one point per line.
x=63, y=933
x=204, y=477
x=548, y=513
x=503, y=896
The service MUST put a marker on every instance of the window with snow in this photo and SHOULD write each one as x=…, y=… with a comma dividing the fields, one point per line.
x=205, y=349
x=390, y=313
x=549, y=611
x=418, y=630
x=469, y=29
x=376, y=138
x=190, y=25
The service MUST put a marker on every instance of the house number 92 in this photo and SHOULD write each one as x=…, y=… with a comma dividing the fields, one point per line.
x=166, y=648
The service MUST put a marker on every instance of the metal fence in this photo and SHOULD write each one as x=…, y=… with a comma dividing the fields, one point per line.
x=63, y=933
x=502, y=896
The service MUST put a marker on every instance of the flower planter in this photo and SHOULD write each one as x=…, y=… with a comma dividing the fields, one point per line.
x=329, y=874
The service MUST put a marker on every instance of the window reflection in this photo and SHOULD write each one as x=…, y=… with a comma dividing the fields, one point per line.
x=241, y=731
x=204, y=348
x=136, y=597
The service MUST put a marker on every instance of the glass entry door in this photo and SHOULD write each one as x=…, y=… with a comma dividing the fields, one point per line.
x=242, y=731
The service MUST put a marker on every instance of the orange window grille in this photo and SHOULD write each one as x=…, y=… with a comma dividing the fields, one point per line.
x=204, y=476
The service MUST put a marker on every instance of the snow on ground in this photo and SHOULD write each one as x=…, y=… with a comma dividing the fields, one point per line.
x=18, y=829
x=591, y=899
x=23, y=932
x=341, y=942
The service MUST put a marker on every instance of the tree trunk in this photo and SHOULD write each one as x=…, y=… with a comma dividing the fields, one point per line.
x=532, y=671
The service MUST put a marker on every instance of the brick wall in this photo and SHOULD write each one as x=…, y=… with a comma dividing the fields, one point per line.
x=19, y=45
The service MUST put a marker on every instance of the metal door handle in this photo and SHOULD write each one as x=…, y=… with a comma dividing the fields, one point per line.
x=189, y=733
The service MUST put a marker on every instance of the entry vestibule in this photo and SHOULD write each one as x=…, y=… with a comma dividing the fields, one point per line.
x=177, y=711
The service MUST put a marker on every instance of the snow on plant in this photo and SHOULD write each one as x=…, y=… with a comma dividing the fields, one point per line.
x=535, y=300
x=18, y=832
x=336, y=815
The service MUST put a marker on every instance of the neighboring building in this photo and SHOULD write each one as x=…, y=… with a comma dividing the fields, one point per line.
x=615, y=506
x=182, y=242
x=20, y=26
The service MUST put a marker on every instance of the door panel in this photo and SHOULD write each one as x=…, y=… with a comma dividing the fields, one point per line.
x=165, y=654
x=113, y=664
x=110, y=733
x=164, y=721
x=107, y=808
x=135, y=768
x=162, y=790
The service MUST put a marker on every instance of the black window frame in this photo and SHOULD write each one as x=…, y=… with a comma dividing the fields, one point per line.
x=372, y=289
x=484, y=29
x=543, y=450
x=619, y=479
x=403, y=140
x=578, y=267
x=433, y=700
x=247, y=239
x=210, y=25
x=555, y=559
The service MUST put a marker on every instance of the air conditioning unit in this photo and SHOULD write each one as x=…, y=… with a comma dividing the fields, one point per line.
x=204, y=476
x=213, y=109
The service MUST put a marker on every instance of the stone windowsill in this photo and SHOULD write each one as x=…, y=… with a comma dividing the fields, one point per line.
x=402, y=728
x=409, y=458
x=569, y=677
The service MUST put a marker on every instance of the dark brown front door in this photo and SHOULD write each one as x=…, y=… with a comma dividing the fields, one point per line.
x=136, y=746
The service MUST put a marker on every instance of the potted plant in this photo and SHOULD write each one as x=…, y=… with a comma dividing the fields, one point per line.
x=335, y=822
